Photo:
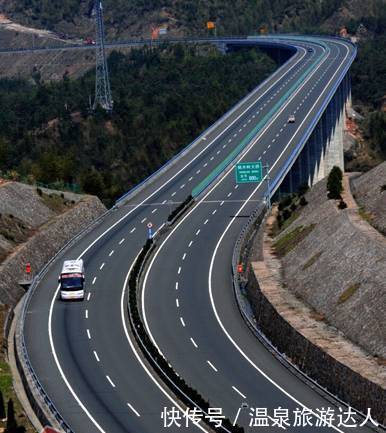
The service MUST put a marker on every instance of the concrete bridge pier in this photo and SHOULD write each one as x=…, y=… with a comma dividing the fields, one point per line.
x=324, y=147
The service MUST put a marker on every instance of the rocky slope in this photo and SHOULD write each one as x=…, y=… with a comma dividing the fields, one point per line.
x=370, y=192
x=336, y=262
x=34, y=225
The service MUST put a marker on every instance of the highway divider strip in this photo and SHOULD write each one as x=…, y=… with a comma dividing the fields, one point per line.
x=197, y=190
x=186, y=393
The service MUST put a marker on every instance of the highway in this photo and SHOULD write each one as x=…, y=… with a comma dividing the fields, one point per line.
x=84, y=353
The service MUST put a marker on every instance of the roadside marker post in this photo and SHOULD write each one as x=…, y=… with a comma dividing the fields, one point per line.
x=150, y=232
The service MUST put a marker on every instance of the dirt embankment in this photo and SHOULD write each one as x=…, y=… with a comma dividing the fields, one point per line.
x=34, y=225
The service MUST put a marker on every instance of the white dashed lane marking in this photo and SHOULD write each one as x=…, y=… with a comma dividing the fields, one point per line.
x=238, y=392
x=190, y=244
x=194, y=343
x=132, y=230
x=101, y=266
x=146, y=218
x=132, y=408
x=89, y=296
x=182, y=322
x=96, y=356
x=212, y=366
x=111, y=253
x=111, y=382
x=198, y=232
x=179, y=270
x=121, y=241
x=93, y=281
x=184, y=256
x=86, y=314
x=88, y=334
x=177, y=285
x=177, y=303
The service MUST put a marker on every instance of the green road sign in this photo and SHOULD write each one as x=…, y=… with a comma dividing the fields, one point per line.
x=249, y=172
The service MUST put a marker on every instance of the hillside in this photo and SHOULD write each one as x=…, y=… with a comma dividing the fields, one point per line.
x=135, y=17
x=151, y=121
x=34, y=224
x=336, y=262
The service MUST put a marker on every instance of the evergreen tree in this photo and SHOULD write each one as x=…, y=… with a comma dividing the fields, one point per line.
x=2, y=406
x=11, y=419
x=334, y=183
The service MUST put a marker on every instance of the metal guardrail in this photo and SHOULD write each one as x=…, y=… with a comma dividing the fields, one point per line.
x=23, y=361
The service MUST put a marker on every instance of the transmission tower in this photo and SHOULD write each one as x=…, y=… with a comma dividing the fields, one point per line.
x=102, y=81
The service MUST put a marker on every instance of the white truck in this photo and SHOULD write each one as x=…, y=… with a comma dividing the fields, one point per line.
x=71, y=280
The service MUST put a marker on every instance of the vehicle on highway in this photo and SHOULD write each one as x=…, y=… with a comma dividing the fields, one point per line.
x=291, y=119
x=71, y=280
x=89, y=41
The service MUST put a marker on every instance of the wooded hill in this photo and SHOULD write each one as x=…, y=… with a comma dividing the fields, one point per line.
x=163, y=99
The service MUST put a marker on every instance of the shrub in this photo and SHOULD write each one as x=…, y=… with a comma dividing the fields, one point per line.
x=342, y=205
x=303, y=201
x=303, y=189
x=334, y=183
x=39, y=191
x=383, y=188
x=286, y=201
x=286, y=214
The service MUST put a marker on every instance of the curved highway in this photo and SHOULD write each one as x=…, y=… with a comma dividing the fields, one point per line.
x=84, y=354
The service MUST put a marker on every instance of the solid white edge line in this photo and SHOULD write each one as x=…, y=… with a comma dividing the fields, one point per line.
x=211, y=266
x=191, y=161
x=213, y=187
x=54, y=354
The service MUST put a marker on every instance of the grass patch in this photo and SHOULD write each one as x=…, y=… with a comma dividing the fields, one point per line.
x=348, y=293
x=290, y=240
x=294, y=216
x=55, y=202
x=312, y=260
x=365, y=215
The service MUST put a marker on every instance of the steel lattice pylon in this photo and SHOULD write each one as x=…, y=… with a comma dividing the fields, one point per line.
x=102, y=80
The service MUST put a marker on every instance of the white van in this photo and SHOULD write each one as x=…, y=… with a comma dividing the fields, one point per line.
x=71, y=280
